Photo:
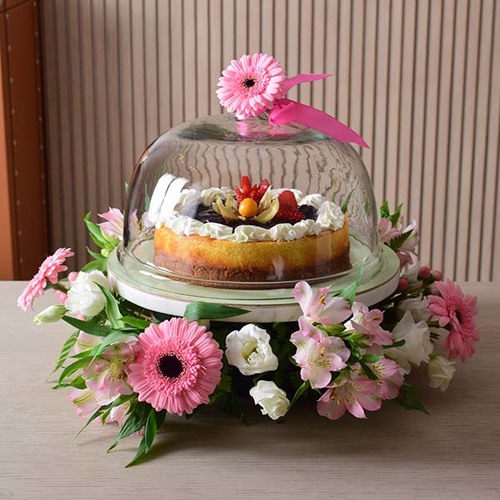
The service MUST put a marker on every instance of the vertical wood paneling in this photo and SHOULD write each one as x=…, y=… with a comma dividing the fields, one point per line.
x=430, y=131
x=494, y=148
x=441, y=161
x=419, y=79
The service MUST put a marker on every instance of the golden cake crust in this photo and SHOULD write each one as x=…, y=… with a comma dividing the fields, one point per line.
x=210, y=260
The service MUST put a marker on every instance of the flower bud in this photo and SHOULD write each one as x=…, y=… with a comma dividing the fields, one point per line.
x=437, y=275
x=440, y=371
x=424, y=272
x=403, y=284
x=271, y=398
x=50, y=315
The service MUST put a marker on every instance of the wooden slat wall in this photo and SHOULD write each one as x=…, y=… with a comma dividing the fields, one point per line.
x=420, y=80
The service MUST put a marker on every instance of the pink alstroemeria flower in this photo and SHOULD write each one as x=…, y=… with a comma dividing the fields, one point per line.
x=368, y=321
x=107, y=376
x=319, y=356
x=386, y=232
x=319, y=307
x=85, y=402
x=114, y=223
x=389, y=376
x=456, y=310
x=354, y=394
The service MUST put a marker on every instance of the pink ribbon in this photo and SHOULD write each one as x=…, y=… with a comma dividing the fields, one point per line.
x=285, y=111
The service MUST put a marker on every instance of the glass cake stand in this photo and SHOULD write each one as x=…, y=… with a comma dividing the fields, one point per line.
x=155, y=292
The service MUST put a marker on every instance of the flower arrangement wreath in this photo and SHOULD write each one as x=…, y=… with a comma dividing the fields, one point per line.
x=132, y=366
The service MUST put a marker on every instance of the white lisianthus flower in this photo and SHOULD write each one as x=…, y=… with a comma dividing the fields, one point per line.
x=417, y=307
x=417, y=346
x=440, y=371
x=271, y=398
x=249, y=350
x=85, y=297
x=50, y=315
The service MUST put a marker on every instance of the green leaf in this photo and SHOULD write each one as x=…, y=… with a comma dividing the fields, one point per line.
x=396, y=215
x=95, y=232
x=398, y=241
x=397, y=343
x=349, y=292
x=100, y=264
x=122, y=398
x=72, y=368
x=153, y=422
x=136, y=420
x=303, y=388
x=409, y=398
x=345, y=203
x=112, y=338
x=88, y=326
x=369, y=372
x=332, y=330
x=385, y=212
x=206, y=310
x=66, y=349
x=371, y=358
x=77, y=383
x=138, y=323
x=112, y=309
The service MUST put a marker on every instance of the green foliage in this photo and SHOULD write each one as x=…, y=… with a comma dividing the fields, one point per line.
x=409, y=398
x=207, y=310
x=385, y=213
x=104, y=410
x=66, y=349
x=112, y=309
x=397, y=242
x=88, y=326
x=346, y=201
x=153, y=423
x=71, y=369
x=301, y=390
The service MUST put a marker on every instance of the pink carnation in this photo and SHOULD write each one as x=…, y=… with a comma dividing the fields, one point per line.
x=48, y=271
x=456, y=310
x=249, y=86
x=178, y=366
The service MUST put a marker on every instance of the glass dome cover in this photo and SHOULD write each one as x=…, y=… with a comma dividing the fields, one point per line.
x=242, y=204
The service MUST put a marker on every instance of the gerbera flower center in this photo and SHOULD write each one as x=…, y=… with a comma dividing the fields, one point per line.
x=170, y=366
x=249, y=82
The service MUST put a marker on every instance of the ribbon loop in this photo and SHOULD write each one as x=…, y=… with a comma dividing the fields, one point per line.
x=286, y=111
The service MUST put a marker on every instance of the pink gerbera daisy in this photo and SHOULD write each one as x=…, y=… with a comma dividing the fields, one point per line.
x=456, y=310
x=178, y=366
x=48, y=271
x=249, y=86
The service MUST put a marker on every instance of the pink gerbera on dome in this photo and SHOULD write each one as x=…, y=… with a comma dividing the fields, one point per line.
x=249, y=85
x=177, y=366
x=48, y=271
x=456, y=310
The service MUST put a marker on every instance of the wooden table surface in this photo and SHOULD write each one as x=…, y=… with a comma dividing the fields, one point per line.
x=395, y=454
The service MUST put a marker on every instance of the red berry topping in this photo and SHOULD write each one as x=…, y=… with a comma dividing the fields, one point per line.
x=289, y=209
x=256, y=192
